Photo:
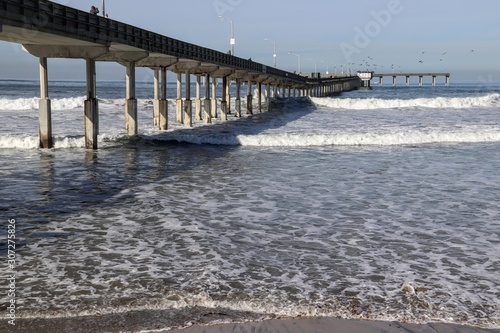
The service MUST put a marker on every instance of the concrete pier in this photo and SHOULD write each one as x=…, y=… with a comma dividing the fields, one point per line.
x=407, y=77
x=45, y=114
x=69, y=33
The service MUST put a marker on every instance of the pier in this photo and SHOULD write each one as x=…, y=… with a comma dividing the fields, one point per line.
x=50, y=30
x=420, y=76
x=367, y=77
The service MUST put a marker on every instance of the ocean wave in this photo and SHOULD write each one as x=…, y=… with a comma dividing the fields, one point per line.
x=58, y=104
x=60, y=142
x=436, y=102
x=397, y=138
x=343, y=139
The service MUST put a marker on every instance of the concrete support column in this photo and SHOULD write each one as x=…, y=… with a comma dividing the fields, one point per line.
x=249, y=98
x=45, y=113
x=268, y=97
x=237, y=102
x=131, y=101
x=283, y=91
x=407, y=81
x=433, y=80
x=188, y=104
x=228, y=96
x=394, y=81
x=214, y=98
x=198, y=98
x=156, y=98
x=259, y=98
x=91, y=109
x=223, y=103
x=207, y=102
x=178, y=101
x=447, y=81
x=163, y=103
x=420, y=81
x=381, y=82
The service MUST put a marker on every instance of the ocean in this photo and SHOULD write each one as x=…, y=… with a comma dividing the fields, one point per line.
x=379, y=204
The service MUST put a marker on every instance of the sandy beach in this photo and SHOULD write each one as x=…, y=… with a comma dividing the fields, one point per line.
x=161, y=321
x=332, y=325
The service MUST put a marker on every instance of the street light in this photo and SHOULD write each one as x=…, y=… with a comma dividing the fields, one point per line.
x=326, y=62
x=232, y=41
x=103, y=8
x=297, y=55
x=274, y=55
x=315, y=65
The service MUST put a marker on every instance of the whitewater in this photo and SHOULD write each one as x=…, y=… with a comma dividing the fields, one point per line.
x=379, y=204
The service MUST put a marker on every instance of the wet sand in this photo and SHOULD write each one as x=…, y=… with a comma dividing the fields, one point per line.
x=331, y=325
x=169, y=321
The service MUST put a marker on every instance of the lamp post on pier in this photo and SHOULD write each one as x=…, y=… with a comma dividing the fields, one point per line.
x=103, y=8
x=274, y=54
x=298, y=56
x=232, y=41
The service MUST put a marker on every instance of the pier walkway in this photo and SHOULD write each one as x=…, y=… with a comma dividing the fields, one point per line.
x=50, y=30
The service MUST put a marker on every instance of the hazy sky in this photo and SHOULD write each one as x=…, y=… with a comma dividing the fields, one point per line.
x=457, y=36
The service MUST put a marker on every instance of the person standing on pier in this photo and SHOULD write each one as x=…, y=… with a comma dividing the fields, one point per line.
x=94, y=10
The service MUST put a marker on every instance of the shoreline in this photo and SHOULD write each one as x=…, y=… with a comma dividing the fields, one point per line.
x=171, y=321
x=332, y=325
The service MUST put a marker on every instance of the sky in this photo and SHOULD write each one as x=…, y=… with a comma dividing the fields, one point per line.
x=457, y=36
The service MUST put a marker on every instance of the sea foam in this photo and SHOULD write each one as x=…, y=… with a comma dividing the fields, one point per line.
x=489, y=100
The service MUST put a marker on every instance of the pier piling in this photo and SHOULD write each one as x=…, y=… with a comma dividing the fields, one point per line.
x=45, y=113
x=163, y=103
x=91, y=107
x=131, y=101
x=207, y=102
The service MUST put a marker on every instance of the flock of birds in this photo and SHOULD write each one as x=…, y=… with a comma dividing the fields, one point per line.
x=368, y=62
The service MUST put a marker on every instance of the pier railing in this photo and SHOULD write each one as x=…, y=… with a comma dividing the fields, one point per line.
x=53, y=18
